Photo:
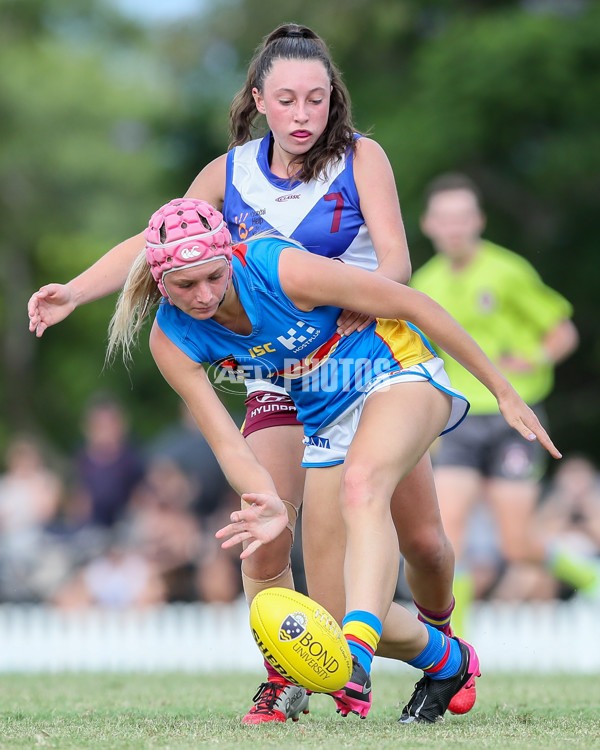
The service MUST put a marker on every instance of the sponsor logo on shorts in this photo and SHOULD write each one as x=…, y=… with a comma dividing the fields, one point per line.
x=318, y=442
x=271, y=409
x=269, y=398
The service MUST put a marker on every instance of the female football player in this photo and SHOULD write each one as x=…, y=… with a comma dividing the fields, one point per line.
x=313, y=178
x=371, y=405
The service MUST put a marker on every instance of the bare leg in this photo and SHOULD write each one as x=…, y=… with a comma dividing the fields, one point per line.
x=324, y=547
x=324, y=539
x=380, y=455
x=279, y=449
x=429, y=558
x=427, y=551
x=458, y=489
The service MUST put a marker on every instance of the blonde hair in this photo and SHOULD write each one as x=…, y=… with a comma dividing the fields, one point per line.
x=140, y=294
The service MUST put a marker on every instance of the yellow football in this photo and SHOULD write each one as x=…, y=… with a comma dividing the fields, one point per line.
x=300, y=639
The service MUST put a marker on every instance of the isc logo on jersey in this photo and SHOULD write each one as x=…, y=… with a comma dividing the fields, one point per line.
x=300, y=640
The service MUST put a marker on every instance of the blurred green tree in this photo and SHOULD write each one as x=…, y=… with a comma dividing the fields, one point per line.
x=512, y=97
x=90, y=147
x=506, y=91
x=103, y=119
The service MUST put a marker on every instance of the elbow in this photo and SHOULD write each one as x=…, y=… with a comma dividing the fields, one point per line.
x=406, y=273
x=570, y=338
x=399, y=272
x=573, y=337
x=563, y=341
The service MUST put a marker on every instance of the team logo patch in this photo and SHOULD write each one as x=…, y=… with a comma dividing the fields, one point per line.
x=232, y=368
x=292, y=627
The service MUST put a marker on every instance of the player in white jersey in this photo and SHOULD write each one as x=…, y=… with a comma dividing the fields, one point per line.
x=311, y=143
x=323, y=215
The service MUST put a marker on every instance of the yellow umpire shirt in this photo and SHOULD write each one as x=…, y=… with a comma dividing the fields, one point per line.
x=500, y=299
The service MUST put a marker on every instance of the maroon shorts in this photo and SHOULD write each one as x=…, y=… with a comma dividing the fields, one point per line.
x=264, y=409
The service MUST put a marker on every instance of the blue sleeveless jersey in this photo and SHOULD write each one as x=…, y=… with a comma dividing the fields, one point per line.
x=300, y=351
x=323, y=215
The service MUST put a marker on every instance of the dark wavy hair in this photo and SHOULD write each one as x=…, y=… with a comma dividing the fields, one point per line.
x=293, y=42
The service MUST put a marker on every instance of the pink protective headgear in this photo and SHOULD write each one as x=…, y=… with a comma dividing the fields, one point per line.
x=185, y=232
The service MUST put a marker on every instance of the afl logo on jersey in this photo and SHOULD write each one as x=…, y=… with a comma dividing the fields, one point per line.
x=282, y=198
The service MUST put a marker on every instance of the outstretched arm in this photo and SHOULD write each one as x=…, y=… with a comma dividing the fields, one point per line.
x=267, y=516
x=310, y=281
x=54, y=302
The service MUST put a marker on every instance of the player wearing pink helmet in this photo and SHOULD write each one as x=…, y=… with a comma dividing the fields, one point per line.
x=348, y=412
x=313, y=178
x=185, y=232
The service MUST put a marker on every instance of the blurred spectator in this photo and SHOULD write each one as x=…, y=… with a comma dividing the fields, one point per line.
x=108, y=466
x=30, y=494
x=184, y=444
x=215, y=573
x=141, y=533
x=571, y=507
x=525, y=328
x=120, y=578
x=160, y=552
x=163, y=526
x=105, y=471
x=30, y=491
x=569, y=517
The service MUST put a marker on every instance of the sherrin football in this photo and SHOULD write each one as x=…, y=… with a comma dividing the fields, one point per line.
x=300, y=639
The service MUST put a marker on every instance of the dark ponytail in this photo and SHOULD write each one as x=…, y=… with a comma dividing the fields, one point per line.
x=293, y=42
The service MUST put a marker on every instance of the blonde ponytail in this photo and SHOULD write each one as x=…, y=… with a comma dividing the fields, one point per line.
x=140, y=294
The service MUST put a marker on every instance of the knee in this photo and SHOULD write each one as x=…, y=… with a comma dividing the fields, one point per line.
x=358, y=490
x=429, y=548
x=269, y=559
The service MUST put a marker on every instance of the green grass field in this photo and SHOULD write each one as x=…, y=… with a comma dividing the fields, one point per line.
x=191, y=711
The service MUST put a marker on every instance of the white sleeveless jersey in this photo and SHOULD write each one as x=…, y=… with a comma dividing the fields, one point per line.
x=323, y=215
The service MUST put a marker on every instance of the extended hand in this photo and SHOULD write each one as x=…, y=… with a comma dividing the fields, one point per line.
x=523, y=419
x=51, y=304
x=262, y=522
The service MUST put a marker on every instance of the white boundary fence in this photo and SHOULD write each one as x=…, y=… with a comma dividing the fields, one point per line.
x=544, y=637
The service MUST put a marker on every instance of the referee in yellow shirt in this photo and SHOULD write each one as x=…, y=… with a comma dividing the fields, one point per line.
x=525, y=329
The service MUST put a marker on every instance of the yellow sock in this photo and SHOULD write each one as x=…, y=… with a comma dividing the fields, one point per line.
x=463, y=596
